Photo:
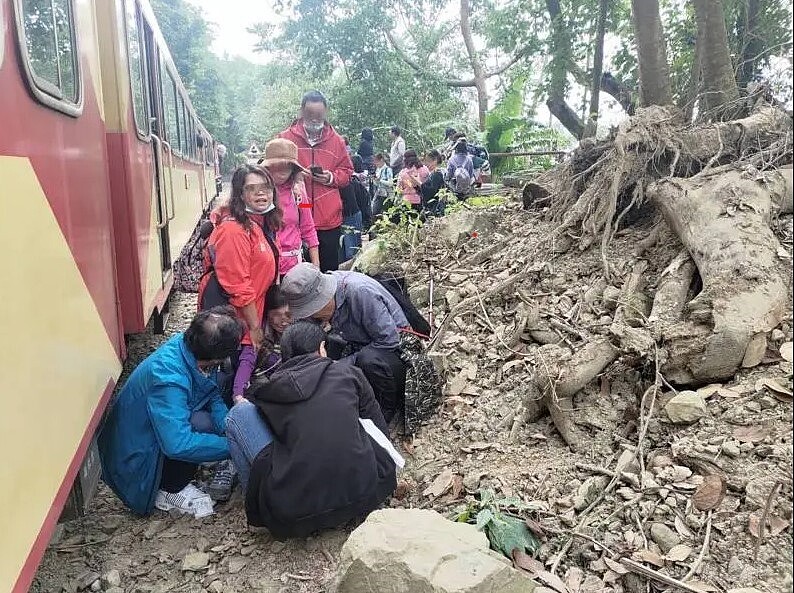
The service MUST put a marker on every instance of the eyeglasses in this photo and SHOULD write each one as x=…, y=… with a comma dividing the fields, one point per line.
x=257, y=188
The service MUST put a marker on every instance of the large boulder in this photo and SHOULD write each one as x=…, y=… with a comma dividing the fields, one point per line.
x=419, y=551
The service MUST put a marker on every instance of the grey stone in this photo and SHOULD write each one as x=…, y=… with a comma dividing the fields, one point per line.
x=420, y=295
x=664, y=537
x=114, y=590
x=686, y=407
x=111, y=578
x=731, y=449
x=195, y=561
x=422, y=552
x=588, y=491
x=757, y=491
x=237, y=564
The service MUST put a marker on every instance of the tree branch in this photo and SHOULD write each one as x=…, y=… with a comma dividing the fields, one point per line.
x=451, y=82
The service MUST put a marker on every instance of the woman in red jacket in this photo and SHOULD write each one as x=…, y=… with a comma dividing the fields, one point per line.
x=241, y=259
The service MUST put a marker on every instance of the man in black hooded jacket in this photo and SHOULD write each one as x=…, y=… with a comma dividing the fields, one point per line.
x=322, y=468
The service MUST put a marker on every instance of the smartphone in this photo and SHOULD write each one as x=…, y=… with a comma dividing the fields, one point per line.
x=316, y=170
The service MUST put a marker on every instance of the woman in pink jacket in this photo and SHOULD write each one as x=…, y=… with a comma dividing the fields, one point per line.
x=281, y=161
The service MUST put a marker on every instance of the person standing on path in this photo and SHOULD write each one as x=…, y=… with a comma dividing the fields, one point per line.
x=411, y=178
x=397, y=150
x=281, y=161
x=322, y=151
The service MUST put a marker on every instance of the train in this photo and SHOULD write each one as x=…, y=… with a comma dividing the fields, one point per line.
x=105, y=171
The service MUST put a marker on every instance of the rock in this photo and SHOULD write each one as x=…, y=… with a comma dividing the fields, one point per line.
x=195, y=561
x=419, y=295
x=757, y=491
x=237, y=564
x=277, y=547
x=588, y=491
x=731, y=449
x=111, y=523
x=114, y=590
x=96, y=586
x=472, y=481
x=111, y=578
x=686, y=407
x=215, y=587
x=419, y=550
x=460, y=225
x=664, y=537
x=86, y=580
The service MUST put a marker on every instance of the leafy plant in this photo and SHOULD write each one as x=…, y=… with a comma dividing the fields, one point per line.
x=497, y=518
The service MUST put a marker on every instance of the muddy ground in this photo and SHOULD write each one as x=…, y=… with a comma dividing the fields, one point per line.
x=649, y=516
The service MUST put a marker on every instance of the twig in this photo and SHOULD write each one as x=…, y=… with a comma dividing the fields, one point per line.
x=430, y=320
x=764, y=515
x=643, y=570
x=594, y=469
x=696, y=564
x=75, y=547
x=297, y=577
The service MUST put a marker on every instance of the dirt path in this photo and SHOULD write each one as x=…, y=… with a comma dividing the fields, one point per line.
x=744, y=436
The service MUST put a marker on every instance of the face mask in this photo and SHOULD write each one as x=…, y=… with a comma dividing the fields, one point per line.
x=313, y=128
x=266, y=209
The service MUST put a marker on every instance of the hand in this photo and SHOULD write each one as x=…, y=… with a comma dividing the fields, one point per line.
x=324, y=177
x=257, y=337
x=236, y=399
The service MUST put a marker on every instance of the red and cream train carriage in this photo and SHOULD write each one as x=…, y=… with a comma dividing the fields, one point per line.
x=104, y=172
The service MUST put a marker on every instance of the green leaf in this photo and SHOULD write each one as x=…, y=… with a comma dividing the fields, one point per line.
x=484, y=517
x=507, y=533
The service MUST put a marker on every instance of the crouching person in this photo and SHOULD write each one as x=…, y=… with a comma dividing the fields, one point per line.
x=169, y=417
x=365, y=316
x=305, y=457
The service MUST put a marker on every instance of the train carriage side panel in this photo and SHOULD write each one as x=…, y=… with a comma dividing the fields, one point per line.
x=132, y=174
x=60, y=356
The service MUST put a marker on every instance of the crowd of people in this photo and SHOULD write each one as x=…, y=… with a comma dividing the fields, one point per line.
x=292, y=371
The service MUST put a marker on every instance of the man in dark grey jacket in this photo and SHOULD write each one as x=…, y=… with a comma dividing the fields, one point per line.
x=364, y=314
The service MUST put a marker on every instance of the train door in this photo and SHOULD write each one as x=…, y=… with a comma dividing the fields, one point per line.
x=162, y=155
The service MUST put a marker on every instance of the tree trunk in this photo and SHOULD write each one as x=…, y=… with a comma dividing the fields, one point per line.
x=651, y=50
x=722, y=217
x=560, y=47
x=719, y=84
x=598, y=67
x=750, y=42
x=474, y=60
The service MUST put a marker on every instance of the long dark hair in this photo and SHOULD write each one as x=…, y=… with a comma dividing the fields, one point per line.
x=274, y=218
x=411, y=159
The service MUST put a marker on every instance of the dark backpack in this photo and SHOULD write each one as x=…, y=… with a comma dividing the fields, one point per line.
x=396, y=287
x=189, y=267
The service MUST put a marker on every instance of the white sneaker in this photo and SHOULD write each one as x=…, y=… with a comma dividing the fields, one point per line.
x=190, y=500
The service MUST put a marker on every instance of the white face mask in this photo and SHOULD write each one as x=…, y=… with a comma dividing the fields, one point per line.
x=265, y=210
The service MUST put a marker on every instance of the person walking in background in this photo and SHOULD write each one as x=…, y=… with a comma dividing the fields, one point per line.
x=384, y=184
x=411, y=178
x=221, y=152
x=281, y=161
x=397, y=150
x=356, y=211
x=322, y=151
x=241, y=260
x=366, y=149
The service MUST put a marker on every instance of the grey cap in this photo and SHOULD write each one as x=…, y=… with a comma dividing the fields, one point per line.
x=307, y=290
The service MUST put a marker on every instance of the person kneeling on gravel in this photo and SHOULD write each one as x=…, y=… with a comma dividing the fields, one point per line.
x=310, y=444
x=364, y=316
x=169, y=417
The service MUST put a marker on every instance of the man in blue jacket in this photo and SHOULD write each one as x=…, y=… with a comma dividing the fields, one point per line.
x=169, y=417
x=365, y=315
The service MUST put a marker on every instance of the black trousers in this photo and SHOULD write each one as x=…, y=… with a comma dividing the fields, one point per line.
x=177, y=474
x=329, y=248
x=385, y=371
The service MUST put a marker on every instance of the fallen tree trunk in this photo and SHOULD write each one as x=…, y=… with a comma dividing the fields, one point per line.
x=722, y=218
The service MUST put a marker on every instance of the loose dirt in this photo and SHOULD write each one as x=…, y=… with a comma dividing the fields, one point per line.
x=645, y=514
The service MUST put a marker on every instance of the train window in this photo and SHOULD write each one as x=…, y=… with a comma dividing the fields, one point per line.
x=181, y=103
x=170, y=106
x=46, y=30
x=135, y=50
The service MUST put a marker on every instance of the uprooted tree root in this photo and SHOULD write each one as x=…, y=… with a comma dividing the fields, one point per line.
x=718, y=187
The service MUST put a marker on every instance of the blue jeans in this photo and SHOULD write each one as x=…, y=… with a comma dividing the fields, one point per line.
x=248, y=434
x=350, y=243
